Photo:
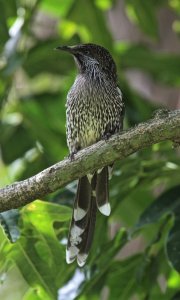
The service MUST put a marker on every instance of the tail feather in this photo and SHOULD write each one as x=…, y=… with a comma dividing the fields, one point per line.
x=91, y=194
x=102, y=192
x=79, y=219
x=88, y=234
x=82, y=199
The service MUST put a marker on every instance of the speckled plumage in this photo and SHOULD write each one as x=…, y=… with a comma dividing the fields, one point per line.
x=94, y=110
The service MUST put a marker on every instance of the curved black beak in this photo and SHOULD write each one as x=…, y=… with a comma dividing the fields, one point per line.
x=66, y=48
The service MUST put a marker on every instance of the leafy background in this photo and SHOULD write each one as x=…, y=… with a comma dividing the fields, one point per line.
x=135, y=253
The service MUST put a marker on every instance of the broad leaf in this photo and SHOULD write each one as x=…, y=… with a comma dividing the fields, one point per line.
x=38, y=253
x=167, y=203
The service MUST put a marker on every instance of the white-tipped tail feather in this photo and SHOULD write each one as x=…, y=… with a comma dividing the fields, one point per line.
x=110, y=170
x=90, y=176
x=105, y=209
x=71, y=254
x=99, y=170
x=81, y=259
x=92, y=194
x=75, y=240
x=79, y=214
x=75, y=237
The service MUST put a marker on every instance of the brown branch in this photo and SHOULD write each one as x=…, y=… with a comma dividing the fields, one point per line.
x=164, y=126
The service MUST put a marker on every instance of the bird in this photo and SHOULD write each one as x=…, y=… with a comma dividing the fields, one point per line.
x=94, y=111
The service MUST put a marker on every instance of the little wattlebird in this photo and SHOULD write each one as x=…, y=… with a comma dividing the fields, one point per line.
x=94, y=111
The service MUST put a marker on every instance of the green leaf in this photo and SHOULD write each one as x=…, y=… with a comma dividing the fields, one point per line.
x=13, y=285
x=134, y=273
x=56, y=61
x=164, y=67
x=38, y=254
x=167, y=203
x=104, y=4
x=125, y=271
x=51, y=133
x=36, y=294
x=9, y=221
x=102, y=263
x=144, y=13
x=5, y=246
x=93, y=19
x=176, y=296
x=56, y=7
x=173, y=241
x=175, y=5
x=5, y=13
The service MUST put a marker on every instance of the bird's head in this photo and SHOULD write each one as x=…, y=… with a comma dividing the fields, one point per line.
x=90, y=57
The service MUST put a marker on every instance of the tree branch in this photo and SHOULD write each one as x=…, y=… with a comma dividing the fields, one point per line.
x=164, y=126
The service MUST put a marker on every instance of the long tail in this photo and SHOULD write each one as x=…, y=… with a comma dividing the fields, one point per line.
x=92, y=193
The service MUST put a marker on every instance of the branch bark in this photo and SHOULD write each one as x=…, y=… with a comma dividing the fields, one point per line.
x=164, y=126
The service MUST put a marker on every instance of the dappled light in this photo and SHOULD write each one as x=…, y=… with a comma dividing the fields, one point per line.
x=135, y=251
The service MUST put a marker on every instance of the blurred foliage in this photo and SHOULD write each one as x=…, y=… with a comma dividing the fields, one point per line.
x=145, y=190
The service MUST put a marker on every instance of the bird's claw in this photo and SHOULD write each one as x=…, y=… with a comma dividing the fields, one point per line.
x=106, y=136
x=71, y=155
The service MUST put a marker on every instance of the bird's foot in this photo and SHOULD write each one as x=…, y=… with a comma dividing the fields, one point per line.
x=71, y=155
x=106, y=136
